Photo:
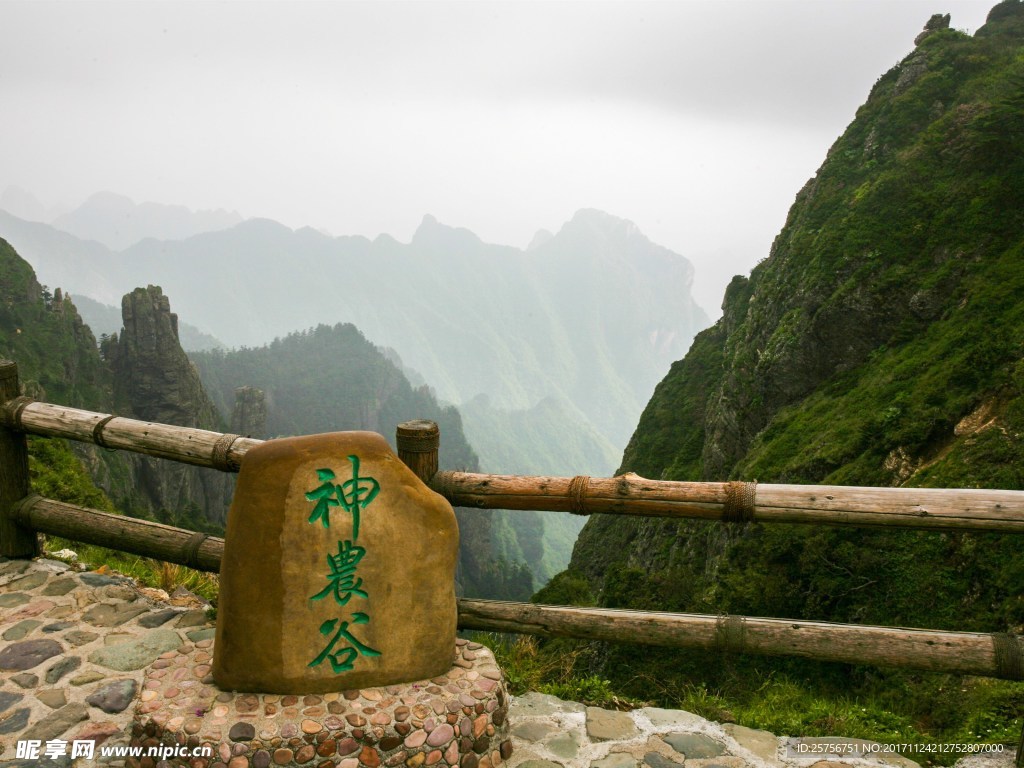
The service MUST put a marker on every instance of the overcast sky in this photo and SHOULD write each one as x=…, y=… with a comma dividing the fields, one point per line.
x=699, y=121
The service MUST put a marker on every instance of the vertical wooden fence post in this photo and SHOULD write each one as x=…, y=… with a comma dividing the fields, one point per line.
x=418, y=442
x=14, y=540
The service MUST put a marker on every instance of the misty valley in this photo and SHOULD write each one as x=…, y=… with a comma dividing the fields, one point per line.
x=879, y=344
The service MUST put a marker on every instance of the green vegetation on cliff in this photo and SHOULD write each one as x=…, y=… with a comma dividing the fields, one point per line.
x=321, y=380
x=880, y=343
x=330, y=379
x=43, y=332
x=57, y=360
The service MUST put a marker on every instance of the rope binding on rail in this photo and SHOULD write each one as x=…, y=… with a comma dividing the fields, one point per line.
x=13, y=410
x=442, y=483
x=577, y=494
x=1009, y=656
x=417, y=436
x=21, y=510
x=220, y=456
x=191, y=549
x=740, y=498
x=97, y=432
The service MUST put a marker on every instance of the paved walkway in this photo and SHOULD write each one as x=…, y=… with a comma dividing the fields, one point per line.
x=74, y=647
x=549, y=733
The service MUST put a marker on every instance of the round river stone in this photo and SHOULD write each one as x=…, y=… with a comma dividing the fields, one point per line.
x=407, y=725
x=28, y=653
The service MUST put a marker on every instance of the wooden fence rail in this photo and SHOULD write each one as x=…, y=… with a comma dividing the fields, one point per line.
x=127, y=534
x=23, y=515
x=199, y=447
x=918, y=508
x=992, y=655
x=923, y=508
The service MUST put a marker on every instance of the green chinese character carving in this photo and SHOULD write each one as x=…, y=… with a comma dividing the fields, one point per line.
x=342, y=579
x=353, y=496
x=323, y=496
x=343, y=659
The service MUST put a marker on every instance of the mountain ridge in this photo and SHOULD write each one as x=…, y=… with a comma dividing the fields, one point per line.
x=530, y=329
x=500, y=330
x=118, y=222
x=878, y=344
x=141, y=372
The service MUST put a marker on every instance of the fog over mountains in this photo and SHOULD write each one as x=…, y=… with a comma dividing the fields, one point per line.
x=550, y=353
x=591, y=316
x=117, y=222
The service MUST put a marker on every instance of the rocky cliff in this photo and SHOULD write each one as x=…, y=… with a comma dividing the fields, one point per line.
x=141, y=373
x=153, y=380
x=331, y=378
x=879, y=343
x=153, y=377
x=43, y=331
x=249, y=415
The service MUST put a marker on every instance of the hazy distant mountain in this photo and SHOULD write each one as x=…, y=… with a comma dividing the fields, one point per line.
x=105, y=319
x=565, y=340
x=62, y=260
x=23, y=204
x=118, y=222
x=594, y=315
x=540, y=237
x=551, y=438
x=569, y=440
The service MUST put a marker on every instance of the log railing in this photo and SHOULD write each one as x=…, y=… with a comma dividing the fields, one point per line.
x=23, y=515
x=629, y=494
x=921, y=508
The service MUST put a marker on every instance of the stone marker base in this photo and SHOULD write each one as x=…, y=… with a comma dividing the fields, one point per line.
x=458, y=719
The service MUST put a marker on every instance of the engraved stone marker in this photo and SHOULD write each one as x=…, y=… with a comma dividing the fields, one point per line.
x=338, y=570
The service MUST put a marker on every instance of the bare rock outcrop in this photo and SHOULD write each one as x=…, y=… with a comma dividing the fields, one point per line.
x=155, y=381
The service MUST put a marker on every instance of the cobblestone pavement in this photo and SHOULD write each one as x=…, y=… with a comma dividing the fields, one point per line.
x=75, y=647
x=550, y=733
x=73, y=650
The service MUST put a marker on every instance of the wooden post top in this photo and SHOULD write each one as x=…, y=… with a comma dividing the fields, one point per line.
x=419, y=435
x=418, y=442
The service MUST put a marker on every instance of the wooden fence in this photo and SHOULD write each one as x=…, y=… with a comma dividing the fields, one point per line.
x=23, y=515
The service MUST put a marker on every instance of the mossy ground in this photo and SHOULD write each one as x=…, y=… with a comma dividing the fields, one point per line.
x=918, y=709
x=56, y=473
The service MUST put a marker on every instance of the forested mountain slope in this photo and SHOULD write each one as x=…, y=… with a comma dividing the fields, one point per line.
x=593, y=314
x=331, y=378
x=321, y=380
x=44, y=333
x=881, y=342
